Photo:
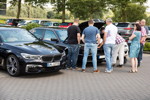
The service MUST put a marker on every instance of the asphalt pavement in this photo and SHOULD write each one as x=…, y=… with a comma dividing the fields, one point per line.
x=75, y=85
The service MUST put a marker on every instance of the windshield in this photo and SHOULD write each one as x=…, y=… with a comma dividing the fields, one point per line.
x=122, y=24
x=47, y=24
x=16, y=35
x=35, y=21
x=62, y=34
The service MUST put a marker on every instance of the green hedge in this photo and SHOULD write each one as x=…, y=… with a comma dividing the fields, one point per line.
x=31, y=26
x=147, y=46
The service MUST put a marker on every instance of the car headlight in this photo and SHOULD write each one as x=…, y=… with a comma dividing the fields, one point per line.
x=31, y=57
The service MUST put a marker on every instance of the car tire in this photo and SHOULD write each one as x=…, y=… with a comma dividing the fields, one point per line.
x=12, y=65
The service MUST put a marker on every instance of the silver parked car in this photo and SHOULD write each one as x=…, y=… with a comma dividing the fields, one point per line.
x=41, y=22
x=51, y=24
x=125, y=28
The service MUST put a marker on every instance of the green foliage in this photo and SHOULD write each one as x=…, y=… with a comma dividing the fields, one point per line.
x=85, y=9
x=148, y=20
x=133, y=12
x=27, y=11
x=50, y=14
x=31, y=26
x=39, y=3
x=120, y=7
x=60, y=6
x=2, y=21
x=147, y=46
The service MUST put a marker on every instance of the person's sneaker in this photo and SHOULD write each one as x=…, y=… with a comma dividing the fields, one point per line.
x=108, y=71
x=120, y=66
x=95, y=71
x=67, y=68
x=77, y=68
x=83, y=70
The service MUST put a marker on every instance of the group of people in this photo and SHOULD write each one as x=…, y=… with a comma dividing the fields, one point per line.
x=113, y=45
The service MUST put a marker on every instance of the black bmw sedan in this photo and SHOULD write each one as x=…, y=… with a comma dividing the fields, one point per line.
x=21, y=52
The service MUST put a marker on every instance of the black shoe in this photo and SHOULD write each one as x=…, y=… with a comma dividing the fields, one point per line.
x=113, y=65
x=120, y=66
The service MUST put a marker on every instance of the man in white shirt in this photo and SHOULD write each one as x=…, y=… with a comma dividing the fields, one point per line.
x=109, y=43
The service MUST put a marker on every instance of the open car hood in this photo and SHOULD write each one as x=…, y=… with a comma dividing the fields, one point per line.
x=83, y=25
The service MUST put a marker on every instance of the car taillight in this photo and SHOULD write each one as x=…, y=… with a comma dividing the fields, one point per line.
x=10, y=23
x=128, y=28
x=127, y=41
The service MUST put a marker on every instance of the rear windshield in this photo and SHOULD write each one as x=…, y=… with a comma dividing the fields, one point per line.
x=64, y=24
x=122, y=24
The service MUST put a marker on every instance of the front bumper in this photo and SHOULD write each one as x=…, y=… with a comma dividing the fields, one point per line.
x=37, y=67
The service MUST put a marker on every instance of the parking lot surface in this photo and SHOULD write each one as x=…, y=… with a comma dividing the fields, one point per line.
x=75, y=85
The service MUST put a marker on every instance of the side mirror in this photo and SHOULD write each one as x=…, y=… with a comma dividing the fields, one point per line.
x=55, y=40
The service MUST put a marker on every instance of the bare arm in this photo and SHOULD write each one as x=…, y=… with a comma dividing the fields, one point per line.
x=104, y=38
x=98, y=38
x=132, y=37
x=78, y=37
x=83, y=38
x=99, y=46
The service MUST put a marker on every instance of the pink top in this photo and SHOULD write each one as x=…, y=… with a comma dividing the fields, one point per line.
x=143, y=33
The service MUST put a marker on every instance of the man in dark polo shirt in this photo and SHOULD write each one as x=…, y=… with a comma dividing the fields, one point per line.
x=73, y=43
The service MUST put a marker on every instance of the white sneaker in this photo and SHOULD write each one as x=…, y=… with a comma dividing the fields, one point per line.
x=108, y=71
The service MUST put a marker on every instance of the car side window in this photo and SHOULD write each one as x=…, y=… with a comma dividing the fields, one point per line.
x=39, y=33
x=49, y=35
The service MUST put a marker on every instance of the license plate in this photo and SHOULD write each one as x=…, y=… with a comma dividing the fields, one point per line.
x=101, y=57
x=53, y=64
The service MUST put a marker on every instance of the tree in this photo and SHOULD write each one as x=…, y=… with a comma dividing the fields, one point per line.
x=135, y=12
x=50, y=14
x=33, y=2
x=32, y=11
x=60, y=6
x=119, y=7
x=17, y=2
x=85, y=9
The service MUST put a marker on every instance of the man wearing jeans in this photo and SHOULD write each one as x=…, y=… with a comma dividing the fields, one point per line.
x=109, y=43
x=90, y=36
x=144, y=31
x=73, y=43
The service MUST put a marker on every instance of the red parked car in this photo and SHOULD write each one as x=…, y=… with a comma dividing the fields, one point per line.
x=65, y=24
x=14, y=22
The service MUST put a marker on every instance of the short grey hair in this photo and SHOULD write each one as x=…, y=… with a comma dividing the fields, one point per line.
x=108, y=20
x=143, y=20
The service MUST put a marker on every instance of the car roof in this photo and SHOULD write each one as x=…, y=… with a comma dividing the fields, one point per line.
x=6, y=28
x=51, y=28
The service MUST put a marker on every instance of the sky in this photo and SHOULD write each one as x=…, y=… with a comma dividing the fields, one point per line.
x=148, y=4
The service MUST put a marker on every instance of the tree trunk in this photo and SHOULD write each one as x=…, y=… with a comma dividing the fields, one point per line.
x=64, y=12
x=19, y=9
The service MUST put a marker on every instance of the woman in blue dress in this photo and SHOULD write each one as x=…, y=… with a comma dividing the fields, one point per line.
x=135, y=47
